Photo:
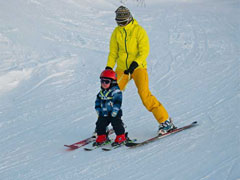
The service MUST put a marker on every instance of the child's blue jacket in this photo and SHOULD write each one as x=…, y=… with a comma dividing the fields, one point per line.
x=108, y=102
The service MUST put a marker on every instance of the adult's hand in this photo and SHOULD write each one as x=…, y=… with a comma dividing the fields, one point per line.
x=132, y=67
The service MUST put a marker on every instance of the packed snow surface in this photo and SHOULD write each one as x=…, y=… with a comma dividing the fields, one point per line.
x=51, y=55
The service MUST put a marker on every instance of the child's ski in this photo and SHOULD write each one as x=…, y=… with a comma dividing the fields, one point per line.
x=85, y=142
x=111, y=148
x=96, y=147
x=120, y=145
x=136, y=144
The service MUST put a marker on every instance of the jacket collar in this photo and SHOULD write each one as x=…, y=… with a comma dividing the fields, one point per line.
x=129, y=26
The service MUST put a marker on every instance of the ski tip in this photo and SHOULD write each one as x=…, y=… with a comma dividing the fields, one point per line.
x=71, y=147
x=88, y=149
x=106, y=149
x=194, y=122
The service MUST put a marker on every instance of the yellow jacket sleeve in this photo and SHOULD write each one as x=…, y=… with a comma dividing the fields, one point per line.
x=113, y=51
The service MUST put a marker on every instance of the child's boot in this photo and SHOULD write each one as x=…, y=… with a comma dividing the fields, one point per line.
x=119, y=140
x=101, y=139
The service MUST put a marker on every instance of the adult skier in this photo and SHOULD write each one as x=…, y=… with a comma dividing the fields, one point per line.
x=129, y=48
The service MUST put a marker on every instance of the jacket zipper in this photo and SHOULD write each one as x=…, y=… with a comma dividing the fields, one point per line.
x=126, y=46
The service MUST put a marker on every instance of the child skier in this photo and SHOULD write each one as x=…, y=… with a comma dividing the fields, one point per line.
x=108, y=106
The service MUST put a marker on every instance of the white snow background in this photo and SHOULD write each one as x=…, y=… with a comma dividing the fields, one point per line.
x=51, y=55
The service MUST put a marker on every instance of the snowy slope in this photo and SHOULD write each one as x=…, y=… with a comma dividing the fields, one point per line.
x=51, y=55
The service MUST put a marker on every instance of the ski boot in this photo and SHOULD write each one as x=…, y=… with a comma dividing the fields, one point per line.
x=101, y=140
x=166, y=127
x=120, y=139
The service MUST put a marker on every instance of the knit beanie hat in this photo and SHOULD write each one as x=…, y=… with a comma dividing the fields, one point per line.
x=123, y=14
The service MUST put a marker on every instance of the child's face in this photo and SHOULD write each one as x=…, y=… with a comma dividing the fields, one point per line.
x=105, y=83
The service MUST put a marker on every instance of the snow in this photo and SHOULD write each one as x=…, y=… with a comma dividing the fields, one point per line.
x=12, y=78
x=51, y=55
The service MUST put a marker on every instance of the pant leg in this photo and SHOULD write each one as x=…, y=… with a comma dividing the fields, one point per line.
x=102, y=124
x=118, y=125
x=122, y=80
x=140, y=77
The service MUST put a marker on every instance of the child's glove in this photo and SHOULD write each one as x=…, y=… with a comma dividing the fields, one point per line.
x=114, y=114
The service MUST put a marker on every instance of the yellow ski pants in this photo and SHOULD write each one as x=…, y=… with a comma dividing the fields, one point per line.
x=140, y=77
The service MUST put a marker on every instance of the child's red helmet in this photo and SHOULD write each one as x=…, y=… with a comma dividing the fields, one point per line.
x=109, y=74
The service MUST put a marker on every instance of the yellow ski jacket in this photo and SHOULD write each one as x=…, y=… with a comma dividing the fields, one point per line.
x=129, y=43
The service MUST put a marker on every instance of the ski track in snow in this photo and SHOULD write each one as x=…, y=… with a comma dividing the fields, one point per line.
x=51, y=55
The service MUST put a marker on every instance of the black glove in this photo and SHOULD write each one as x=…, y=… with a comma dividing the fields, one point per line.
x=132, y=67
x=107, y=67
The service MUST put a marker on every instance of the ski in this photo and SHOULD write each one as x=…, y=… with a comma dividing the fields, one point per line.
x=120, y=145
x=137, y=144
x=84, y=142
x=111, y=148
x=96, y=147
